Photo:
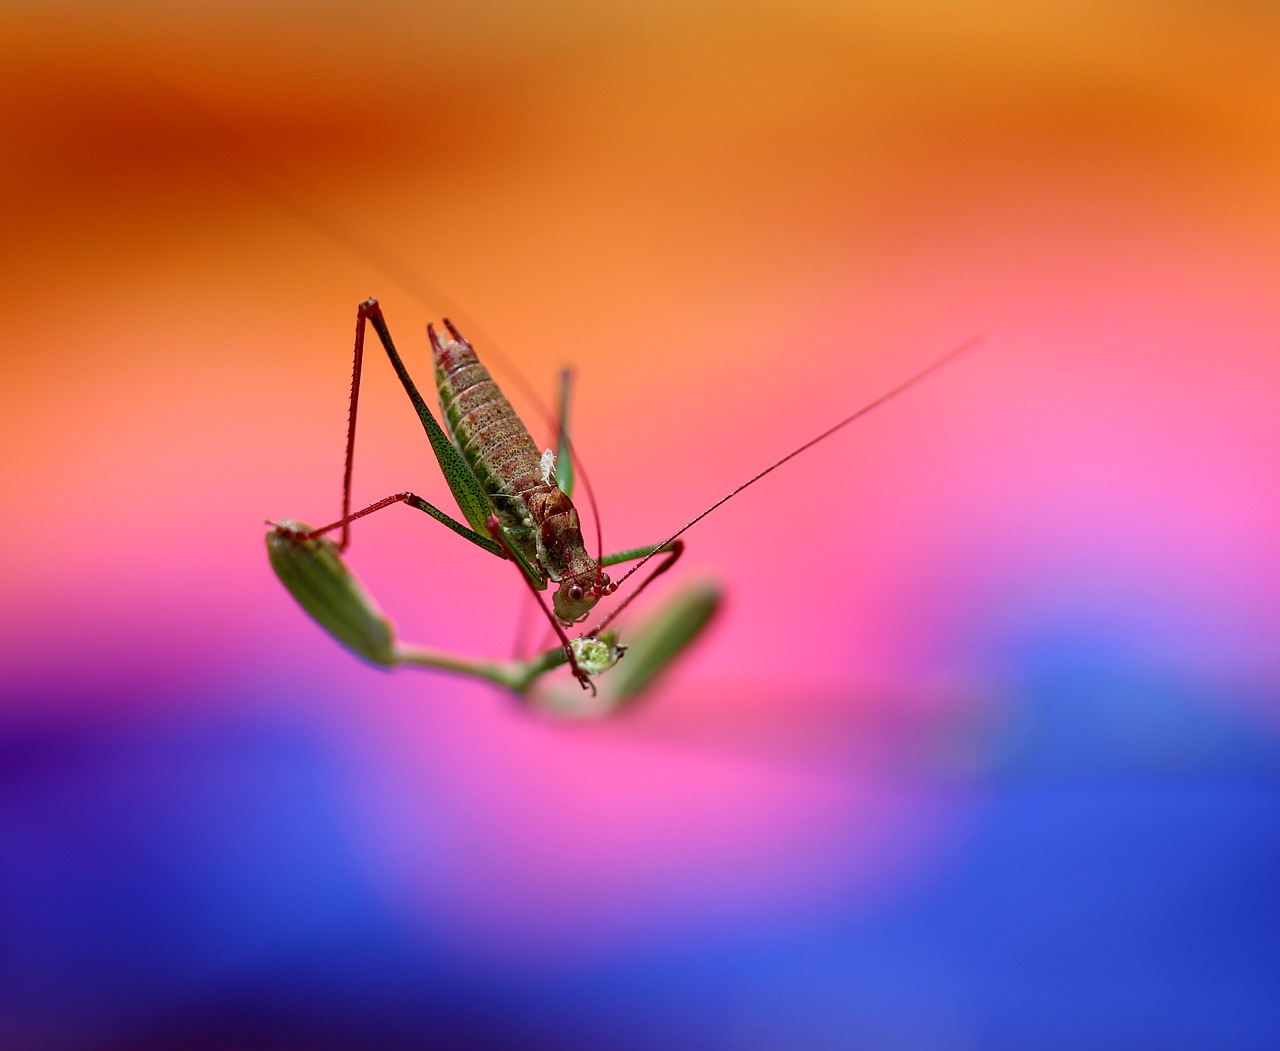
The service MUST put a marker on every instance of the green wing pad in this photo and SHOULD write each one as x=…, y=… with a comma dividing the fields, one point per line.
x=466, y=490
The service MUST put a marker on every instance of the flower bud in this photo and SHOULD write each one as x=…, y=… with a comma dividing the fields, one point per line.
x=666, y=635
x=315, y=575
x=596, y=655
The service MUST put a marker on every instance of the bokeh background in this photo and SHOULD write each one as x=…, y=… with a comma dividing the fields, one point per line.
x=984, y=751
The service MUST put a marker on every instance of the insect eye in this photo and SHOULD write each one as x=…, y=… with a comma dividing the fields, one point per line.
x=575, y=593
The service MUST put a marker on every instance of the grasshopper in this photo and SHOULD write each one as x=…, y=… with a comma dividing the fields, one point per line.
x=517, y=505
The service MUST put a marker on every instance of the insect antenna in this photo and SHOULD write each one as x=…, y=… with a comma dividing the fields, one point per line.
x=874, y=404
x=283, y=189
x=251, y=167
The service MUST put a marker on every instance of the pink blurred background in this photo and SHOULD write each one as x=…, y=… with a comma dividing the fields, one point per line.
x=1054, y=563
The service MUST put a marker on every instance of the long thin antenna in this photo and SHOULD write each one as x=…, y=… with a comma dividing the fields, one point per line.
x=286, y=191
x=283, y=189
x=933, y=367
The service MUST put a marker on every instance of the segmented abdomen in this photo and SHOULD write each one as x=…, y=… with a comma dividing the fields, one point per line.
x=493, y=441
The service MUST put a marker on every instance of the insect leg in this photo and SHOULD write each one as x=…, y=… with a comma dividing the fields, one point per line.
x=578, y=673
x=462, y=483
x=357, y=367
x=564, y=452
x=412, y=500
x=564, y=478
x=673, y=550
x=634, y=553
x=567, y=464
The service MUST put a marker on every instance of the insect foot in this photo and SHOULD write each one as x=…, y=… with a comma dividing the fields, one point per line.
x=315, y=575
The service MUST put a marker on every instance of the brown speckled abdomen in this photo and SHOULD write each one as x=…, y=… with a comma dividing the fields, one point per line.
x=537, y=518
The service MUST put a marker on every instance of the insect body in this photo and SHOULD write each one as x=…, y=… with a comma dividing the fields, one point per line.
x=513, y=504
x=535, y=516
x=517, y=504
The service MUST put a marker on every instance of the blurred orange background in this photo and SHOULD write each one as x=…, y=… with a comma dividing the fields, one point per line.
x=737, y=224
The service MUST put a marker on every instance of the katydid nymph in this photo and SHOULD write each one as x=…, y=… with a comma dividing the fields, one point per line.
x=517, y=505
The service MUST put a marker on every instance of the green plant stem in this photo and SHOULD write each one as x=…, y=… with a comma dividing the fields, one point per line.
x=516, y=676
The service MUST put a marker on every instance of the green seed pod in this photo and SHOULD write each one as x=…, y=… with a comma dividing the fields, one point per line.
x=596, y=655
x=315, y=575
x=665, y=636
